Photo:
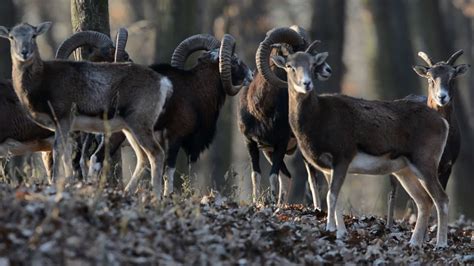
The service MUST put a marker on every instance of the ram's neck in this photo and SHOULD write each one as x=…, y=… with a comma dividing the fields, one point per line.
x=26, y=77
x=444, y=111
x=300, y=106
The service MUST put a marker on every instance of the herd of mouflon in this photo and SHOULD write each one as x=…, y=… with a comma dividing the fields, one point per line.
x=162, y=108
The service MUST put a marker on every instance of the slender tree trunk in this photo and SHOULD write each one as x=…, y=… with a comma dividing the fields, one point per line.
x=7, y=18
x=327, y=25
x=90, y=15
x=394, y=54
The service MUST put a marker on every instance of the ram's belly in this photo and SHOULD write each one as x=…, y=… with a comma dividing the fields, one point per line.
x=364, y=163
x=11, y=147
x=97, y=125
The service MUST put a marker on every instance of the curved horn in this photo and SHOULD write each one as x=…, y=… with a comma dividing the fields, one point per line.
x=277, y=35
x=425, y=57
x=312, y=47
x=225, y=65
x=302, y=32
x=93, y=38
x=454, y=57
x=190, y=45
x=120, y=43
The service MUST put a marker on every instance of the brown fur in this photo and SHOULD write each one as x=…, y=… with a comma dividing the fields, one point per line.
x=407, y=135
x=65, y=96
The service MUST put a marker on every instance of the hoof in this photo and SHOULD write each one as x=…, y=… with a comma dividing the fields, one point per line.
x=340, y=234
x=414, y=244
x=330, y=228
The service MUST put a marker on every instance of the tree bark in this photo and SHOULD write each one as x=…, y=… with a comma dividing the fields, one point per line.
x=393, y=52
x=327, y=25
x=89, y=15
x=7, y=18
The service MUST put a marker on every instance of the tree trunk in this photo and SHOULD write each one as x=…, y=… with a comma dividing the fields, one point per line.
x=89, y=15
x=7, y=18
x=327, y=25
x=394, y=56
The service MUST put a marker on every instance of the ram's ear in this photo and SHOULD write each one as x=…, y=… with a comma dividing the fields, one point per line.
x=4, y=31
x=321, y=58
x=43, y=27
x=422, y=71
x=461, y=69
x=279, y=61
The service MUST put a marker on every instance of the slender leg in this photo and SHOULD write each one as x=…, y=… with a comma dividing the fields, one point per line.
x=410, y=183
x=47, y=158
x=140, y=166
x=313, y=186
x=335, y=217
x=171, y=157
x=443, y=176
x=284, y=188
x=145, y=137
x=86, y=143
x=429, y=180
x=256, y=176
x=391, y=200
x=62, y=151
x=276, y=160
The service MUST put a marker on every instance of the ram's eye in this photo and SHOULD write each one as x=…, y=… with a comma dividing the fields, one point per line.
x=34, y=36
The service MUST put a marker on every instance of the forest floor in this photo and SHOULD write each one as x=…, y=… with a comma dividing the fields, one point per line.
x=80, y=226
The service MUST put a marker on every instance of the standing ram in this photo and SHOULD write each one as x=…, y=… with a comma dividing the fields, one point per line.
x=441, y=85
x=339, y=134
x=263, y=115
x=190, y=116
x=66, y=95
x=19, y=135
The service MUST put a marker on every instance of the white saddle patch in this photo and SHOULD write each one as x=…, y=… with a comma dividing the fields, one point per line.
x=364, y=163
x=96, y=125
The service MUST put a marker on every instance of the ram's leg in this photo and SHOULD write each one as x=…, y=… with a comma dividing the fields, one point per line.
x=313, y=186
x=141, y=160
x=411, y=184
x=391, y=200
x=47, y=158
x=153, y=150
x=276, y=159
x=86, y=144
x=429, y=180
x=62, y=150
x=171, y=157
x=335, y=217
x=256, y=173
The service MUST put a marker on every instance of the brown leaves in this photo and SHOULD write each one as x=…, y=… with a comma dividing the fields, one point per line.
x=211, y=230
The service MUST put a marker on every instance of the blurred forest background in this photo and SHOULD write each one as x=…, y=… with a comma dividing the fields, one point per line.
x=372, y=46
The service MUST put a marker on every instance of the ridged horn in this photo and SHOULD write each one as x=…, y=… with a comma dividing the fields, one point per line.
x=93, y=38
x=276, y=35
x=426, y=58
x=225, y=65
x=302, y=32
x=454, y=57
x=120, y=43
x=190, y=45
x=312, y=47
